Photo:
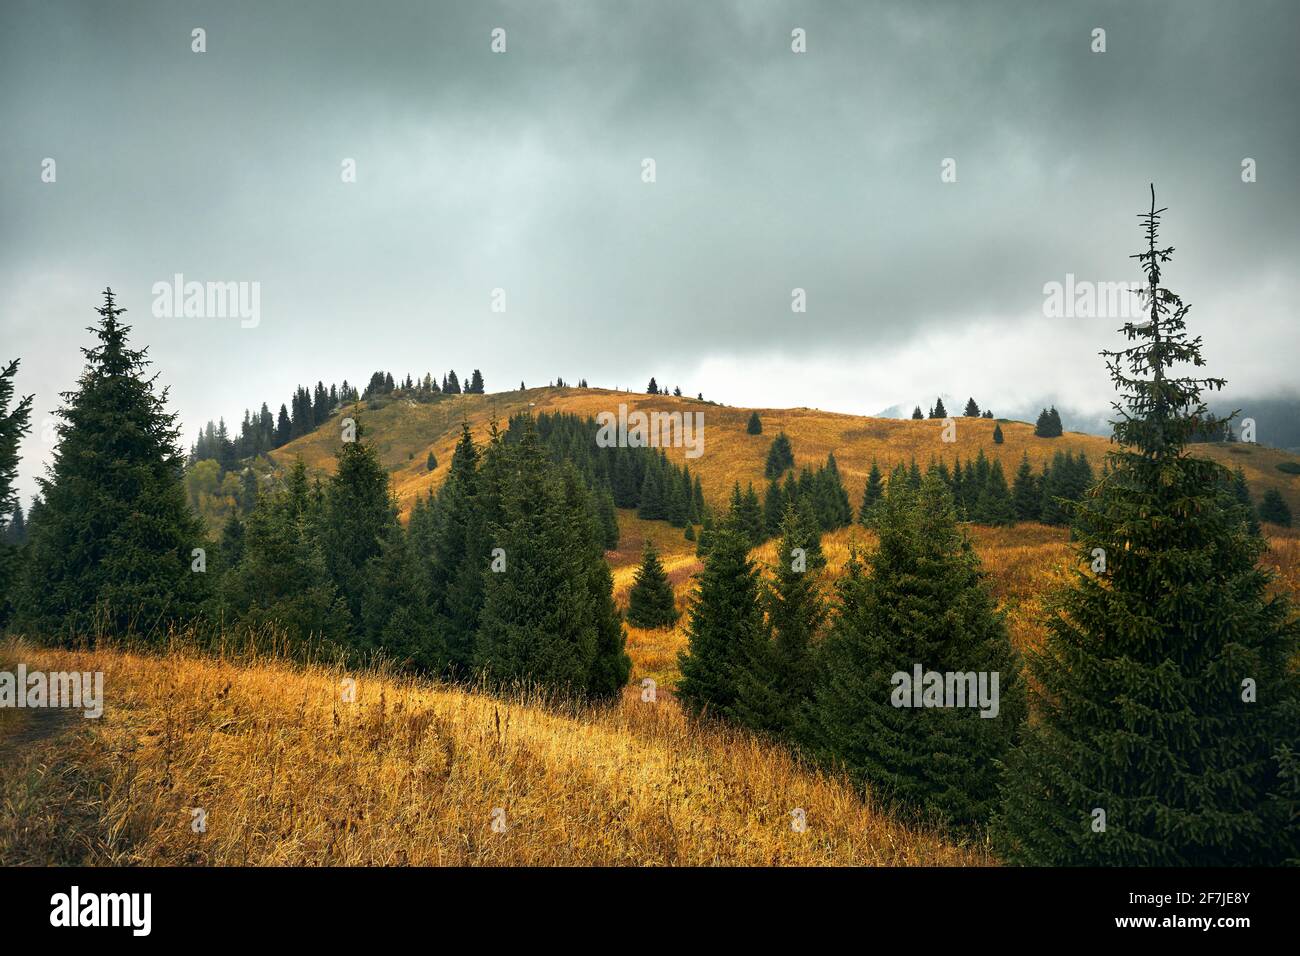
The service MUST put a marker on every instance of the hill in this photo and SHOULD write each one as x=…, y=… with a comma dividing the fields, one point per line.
x=405, y=431
x=411, y=772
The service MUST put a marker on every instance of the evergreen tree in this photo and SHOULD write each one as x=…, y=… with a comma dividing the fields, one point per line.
x=997, y=435
x=755, y=425
x=13, y=426
x=726, y=628
x=972, y=410
x=431, y=462
x=650, y=602
x=458, y=554
x=774, y=504
x=1162, y=693
x=871, y=495
x=112, y=551
x=917, y=413
x=995, y=505
x=452, y=384
x=607, y=518
x=652, y=388
x=548, y=615
x=938, y=411
x=1274, y=509
x=280, y=580
x=1026, y=496
x=780, y=457
x=360, y=518
x=1241, y=492
x=925, y=603
x=475, y=383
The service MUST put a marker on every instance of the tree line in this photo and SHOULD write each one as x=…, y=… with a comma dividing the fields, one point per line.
x=1165, y=698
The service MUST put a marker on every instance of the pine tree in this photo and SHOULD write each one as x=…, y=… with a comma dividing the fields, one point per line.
x=938, y=411
x=796, y=614
x=725, y=625
x=112, y=551
x=995, y=505
x=653, y=387
x=972, y=410
x=548, y=615
x=1274, y=509
x=360, y=518
x=650, y=602
x=780, y=457
x=1162, y=690
x=917, y=413
x=924, y=604
x=871, y=495
x=1026, y=496
x=458, y=554
x=13, y=426
x=755, y=425
x=431, y=462
x=997, y=435
x=774, y=504
x=475, y=383
x=281, y=580
x=1241, y=492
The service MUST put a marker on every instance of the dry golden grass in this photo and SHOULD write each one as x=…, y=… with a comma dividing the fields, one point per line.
x=410, y=773
x=405, y=432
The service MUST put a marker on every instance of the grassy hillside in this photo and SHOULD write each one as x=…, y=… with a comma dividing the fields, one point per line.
x=405, y=432
x=410, y=773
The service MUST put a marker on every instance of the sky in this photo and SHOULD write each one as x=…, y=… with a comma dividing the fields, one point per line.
x=920, y=171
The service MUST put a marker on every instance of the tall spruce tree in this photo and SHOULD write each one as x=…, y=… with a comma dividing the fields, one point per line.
x=1166, y=715
x=112, y=551
x=650, y=602
x=872, y=492
x=360, y=519
x=775, y=678
x=755, y=424
x=924, y=603
x=725, y=625
x=13, y=426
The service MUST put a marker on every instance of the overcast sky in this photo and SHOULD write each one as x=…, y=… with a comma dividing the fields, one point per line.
x=523, y=171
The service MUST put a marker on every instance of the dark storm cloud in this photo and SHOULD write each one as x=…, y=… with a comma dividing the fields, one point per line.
x=522, y=171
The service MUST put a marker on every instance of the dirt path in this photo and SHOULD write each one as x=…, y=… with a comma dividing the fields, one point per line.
x=32, y=727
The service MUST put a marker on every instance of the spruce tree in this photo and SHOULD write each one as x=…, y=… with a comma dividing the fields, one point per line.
x=917, y=413
x=1026, y=496
x=924, y=603
x=938, y=411
x=1166, y=714
x=360, y=517
x=774, y=679
x=871, y=495
x=431, y=462
x=1241, y=491
x=780, y=457
x=1274, y=509
x=726, y=627
x=280, y=580
x=112, y=552
x=972, y=410
x=650, y=602
x=755, y=424
x=13, y=426
x=997, y=435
